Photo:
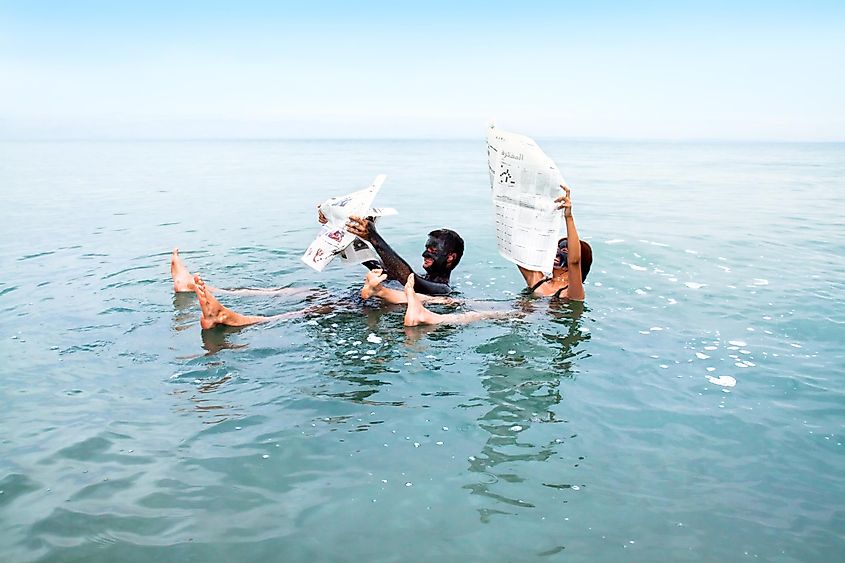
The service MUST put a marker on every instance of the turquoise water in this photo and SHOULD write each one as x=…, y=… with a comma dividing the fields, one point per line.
x=576, y=433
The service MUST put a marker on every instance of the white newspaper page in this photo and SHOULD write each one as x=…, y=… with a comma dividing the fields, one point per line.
x=358, y=252
x=334, y=239
x=525, y=183
x=361, y=251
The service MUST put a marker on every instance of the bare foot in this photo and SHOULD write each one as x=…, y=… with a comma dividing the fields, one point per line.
x=372, y=283
x=213, y=313
x=416, y=314
x=182, y=279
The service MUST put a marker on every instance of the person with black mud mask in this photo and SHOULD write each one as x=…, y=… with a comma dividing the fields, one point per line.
x=443, y=251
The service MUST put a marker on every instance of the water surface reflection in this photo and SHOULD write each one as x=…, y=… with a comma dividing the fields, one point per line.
x=526, y=423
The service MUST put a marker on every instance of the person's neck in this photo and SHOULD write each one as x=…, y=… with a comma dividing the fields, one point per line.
x=437, y=277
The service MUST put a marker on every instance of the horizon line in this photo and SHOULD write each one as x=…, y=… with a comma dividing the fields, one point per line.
x=602, y=139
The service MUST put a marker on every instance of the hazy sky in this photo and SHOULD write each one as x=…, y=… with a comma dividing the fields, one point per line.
x=151, y=69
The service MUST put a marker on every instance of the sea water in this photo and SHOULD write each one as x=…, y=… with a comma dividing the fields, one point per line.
x=691, y=409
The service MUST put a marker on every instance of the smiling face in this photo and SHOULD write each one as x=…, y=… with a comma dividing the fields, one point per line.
x=436, y=257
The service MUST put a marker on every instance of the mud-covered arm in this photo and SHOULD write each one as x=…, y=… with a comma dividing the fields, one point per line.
x=392, y=264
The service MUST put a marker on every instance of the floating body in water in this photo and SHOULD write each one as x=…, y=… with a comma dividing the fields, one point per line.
x=443, y=251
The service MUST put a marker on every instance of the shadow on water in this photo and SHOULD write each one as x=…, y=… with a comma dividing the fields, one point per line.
x=186, y=317
x=185, y=309
x=214, y=339
x=568, y=316
x=522, y=378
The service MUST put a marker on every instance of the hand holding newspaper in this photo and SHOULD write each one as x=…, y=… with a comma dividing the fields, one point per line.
x=525, y=183
x=334, y=239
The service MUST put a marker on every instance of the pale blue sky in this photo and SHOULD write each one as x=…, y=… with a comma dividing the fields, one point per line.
x=249, y=69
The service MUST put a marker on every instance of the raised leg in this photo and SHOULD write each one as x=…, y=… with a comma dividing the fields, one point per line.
x=182, y=278
x=213, y=313
x=183, y=281
x=372, y=283
x=416, y=314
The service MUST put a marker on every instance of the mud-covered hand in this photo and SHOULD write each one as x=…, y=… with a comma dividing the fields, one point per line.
x=564, y=202
x=372, y=283
x=362, y=228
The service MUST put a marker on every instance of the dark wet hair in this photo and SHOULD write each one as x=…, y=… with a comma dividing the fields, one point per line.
x=453, y=243
x=586, y=257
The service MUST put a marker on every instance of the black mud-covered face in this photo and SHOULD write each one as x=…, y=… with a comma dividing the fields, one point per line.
x=435, y=256
x=562, y=256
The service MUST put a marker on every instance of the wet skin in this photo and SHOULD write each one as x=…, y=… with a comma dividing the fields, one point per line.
x=436, y=258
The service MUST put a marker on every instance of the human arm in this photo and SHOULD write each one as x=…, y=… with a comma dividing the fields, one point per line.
x=392, y=264
x=535, y=278
x=575, y=291
x=394, y=267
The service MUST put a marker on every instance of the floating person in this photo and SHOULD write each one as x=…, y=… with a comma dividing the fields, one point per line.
x=216, y=314
x=571, y=265
x=443, y=251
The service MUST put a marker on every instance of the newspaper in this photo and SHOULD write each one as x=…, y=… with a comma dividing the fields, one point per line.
x=525, y=183
x=334, y=240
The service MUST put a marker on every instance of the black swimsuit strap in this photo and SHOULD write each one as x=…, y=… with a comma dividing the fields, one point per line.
x=557, y=293
x=539, y=283
x=544, y=280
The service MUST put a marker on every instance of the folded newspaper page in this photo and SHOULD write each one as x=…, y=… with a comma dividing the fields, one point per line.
x=525, y=183
x=334, y=239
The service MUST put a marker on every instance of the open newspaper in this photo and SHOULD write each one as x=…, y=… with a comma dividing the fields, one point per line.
x=334, y=240
x=525, y=183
